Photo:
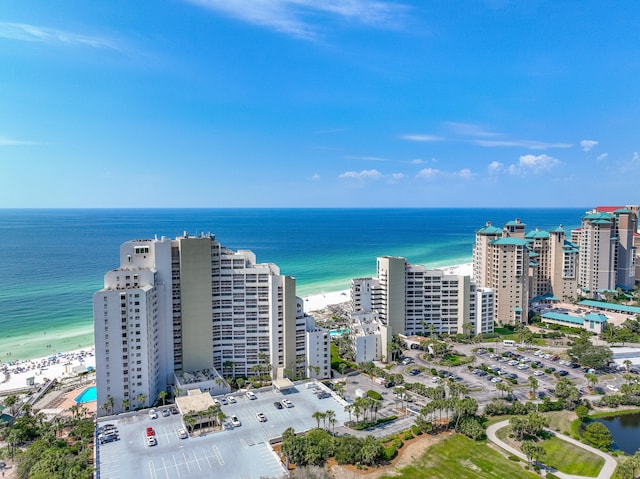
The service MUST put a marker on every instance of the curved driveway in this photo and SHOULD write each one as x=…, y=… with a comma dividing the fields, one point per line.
x=606, y=472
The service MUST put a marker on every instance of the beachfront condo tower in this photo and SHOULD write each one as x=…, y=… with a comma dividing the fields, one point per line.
x=412, y=299
x=553, y=266
x=191, y=308
x=607, y=251
x=501, y=263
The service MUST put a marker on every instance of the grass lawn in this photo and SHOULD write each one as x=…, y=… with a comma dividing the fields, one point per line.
x=456, y=360
x=561, y=455
x=560, y=421
x=571, y=459
x=461, y=458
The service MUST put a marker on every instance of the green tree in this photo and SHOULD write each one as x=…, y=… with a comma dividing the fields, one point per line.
x=533, y=451
x=598, y=435
x=371, y=451
x=582, y=412
x=141, y=398
x=592, y=379
x=533, y=386
x=162, y=395
x=317, y=415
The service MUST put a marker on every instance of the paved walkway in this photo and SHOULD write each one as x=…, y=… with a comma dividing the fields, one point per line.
x=606, y=472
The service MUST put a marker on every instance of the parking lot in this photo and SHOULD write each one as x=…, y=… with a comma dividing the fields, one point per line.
x=236, y=452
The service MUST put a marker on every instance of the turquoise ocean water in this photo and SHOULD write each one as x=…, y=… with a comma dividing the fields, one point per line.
x=52, y=261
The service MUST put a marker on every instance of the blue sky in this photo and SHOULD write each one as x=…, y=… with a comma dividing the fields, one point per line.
x=319, y=103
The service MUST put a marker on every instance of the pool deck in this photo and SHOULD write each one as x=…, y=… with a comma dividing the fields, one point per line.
x=61, y=404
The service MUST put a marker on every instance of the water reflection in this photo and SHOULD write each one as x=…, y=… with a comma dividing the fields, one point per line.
x=625, y=431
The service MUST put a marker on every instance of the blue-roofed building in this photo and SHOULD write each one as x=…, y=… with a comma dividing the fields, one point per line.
x=592, y=322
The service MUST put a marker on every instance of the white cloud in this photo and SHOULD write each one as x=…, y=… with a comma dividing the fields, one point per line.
x=417, y=161
x=315, y=177
x=532, y=144
x=465, y=173
x=526, y=164
x=468, y=129
x=395, y=177
x=421, y=137
x=587, y=145
x=495, y=167
x=297, y=17
x=428, y=173
x=540, y=162
x=32, y=33
x=6, y=141
x=602, y=156
x=361, y=175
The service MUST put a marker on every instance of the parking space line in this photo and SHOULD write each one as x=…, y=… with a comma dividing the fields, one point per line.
x=152, y=470
x=244, y=443
x=186, y=462
x=175, y=463
x=197, y=461
x=217, y=454
x=206, y=457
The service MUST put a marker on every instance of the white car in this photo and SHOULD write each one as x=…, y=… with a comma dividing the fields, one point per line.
x=496, y=380
x=151, y=440
x=182, y=433
x=261, y=417
x=611, y=387
x=286, y=403
x=235, y=422
x=231, y=399
x=406, y=361
x=153, y=414
x=538, y=373
x=251, y=395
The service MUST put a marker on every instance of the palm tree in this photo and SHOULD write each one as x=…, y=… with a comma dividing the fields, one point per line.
x=162, y=395
x=317, y=415
x=221, y=416
x=125, y=404
x=533, y=386
x=230, y=364
x=11, y=402
x=190, y=422
x=330, y=415
x=592, y=379
x=141, y=399
x=110, y=403
x=348, y=408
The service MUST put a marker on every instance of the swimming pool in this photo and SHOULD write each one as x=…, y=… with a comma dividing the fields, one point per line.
x=338, y=332
x=87, y=395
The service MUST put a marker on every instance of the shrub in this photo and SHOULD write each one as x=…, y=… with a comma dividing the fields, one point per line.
x=407, y=435
x=416, y=430
x=513, y=458
x=374, y=395
x=389, y=452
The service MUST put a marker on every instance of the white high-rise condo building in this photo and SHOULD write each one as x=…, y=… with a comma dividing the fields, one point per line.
x=411, y=299
x=190, y=305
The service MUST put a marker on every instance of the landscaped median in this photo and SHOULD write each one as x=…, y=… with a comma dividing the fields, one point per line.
x=566, y=456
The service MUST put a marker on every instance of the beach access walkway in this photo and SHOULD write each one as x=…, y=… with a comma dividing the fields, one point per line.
x=606, y=472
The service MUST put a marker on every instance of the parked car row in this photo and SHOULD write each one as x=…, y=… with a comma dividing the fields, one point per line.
x=108, y=433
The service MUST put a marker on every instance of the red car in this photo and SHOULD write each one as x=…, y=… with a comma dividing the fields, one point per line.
x=150, y=431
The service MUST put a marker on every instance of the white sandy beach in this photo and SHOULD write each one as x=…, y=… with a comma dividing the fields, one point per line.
x=14, y=374
x=61, y=365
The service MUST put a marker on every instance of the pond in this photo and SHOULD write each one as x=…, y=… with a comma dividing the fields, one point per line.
x=625, y=430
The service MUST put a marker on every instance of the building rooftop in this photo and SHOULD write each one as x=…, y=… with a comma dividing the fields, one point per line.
x=509, y=241
x=610, y=306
